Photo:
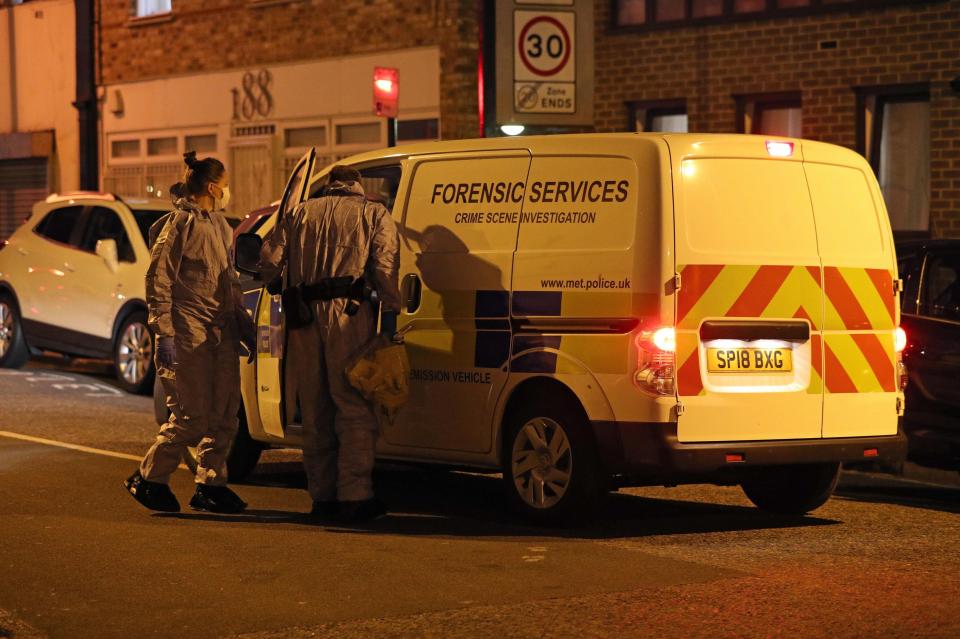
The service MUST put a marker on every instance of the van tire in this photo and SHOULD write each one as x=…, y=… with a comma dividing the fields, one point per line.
x=792, y=490
x=133, y=354
x=242, y=457
x=16, y=352
x=586, y=485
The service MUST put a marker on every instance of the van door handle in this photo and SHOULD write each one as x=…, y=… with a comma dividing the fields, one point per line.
x=70, y=267
x=22, y=251
x=411, y=289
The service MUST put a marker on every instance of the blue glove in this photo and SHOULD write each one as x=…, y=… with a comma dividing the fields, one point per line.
x=166, y=352
x=388, y=324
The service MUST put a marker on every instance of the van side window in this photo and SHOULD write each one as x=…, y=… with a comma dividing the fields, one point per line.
x=381, y=184
x=941, y=290
x=59, y=224
x=105, y=224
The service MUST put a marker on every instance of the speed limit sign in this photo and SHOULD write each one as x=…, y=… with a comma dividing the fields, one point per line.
x=543, y=62
x=545, y=46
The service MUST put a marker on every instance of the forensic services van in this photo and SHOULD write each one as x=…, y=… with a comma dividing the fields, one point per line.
x=584, y=312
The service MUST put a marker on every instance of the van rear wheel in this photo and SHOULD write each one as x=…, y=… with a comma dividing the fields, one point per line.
x=792, y=490
x=551, y=470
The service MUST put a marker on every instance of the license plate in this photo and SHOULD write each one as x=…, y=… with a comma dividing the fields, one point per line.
x=749, y=360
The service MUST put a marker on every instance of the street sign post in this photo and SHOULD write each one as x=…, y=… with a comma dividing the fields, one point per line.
x=545, y=75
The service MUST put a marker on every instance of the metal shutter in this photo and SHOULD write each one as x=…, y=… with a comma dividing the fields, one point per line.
x=22, y=184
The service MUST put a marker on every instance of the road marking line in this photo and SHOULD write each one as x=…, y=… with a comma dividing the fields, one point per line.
x=77, y=447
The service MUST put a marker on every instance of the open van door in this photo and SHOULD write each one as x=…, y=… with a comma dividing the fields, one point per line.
x=749, y=310
x=270, y=336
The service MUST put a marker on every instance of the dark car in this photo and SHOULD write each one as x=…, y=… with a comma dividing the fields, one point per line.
x=930, y=305
x=255, y=219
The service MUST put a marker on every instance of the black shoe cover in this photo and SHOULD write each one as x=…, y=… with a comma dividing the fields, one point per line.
x=325, y=510
x=358, y=512
x=153, y=495
x=217, y=499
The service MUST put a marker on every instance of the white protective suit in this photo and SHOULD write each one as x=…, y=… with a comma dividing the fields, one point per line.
x=193, y=295
x=336, y=235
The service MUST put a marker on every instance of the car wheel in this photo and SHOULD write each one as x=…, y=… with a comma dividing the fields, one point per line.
x=792, y=490
x=14, y=352
x=242, y=457
x=551, y=470
x=133, y=355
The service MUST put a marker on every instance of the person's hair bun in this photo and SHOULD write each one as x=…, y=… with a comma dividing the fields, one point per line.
x=190, y=158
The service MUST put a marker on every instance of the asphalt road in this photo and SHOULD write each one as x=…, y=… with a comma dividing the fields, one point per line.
x=79, y=558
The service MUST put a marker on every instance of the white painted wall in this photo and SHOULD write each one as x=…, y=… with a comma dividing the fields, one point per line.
x=45, y=43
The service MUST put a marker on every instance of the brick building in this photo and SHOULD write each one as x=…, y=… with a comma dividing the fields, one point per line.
x=256, y=82
x=872, y=75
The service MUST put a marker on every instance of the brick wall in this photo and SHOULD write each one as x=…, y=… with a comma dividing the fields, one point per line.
x=211, y=35
x=912, y=43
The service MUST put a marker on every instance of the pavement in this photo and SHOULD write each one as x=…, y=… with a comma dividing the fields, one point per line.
x=79, y=558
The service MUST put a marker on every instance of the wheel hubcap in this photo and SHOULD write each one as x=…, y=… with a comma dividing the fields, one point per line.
x=134, y=353
x=6, y=328
x=542, y=463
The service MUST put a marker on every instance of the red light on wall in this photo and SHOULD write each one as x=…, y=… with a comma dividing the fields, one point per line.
x=386, y=91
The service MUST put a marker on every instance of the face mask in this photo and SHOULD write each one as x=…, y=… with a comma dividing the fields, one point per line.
x=224, y=199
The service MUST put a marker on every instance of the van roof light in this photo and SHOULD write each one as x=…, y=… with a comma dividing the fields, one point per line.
x=779, y=149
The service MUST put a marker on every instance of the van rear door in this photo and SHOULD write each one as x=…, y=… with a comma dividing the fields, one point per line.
x=860, y=303
x=749, y=308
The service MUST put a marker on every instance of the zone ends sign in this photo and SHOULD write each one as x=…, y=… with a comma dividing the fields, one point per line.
x=545, y=76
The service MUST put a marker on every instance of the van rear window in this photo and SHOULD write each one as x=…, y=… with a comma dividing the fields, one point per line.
x=745, y=207
x=844, y=210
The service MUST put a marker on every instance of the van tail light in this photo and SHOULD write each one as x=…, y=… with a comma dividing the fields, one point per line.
x=899, y=339
x=656, y=357
x=899, y=344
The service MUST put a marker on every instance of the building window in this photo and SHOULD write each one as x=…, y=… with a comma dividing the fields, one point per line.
x=122, y=149
x=777, y=114
x=422, y=129
x=363, y=133
x=162, y=146
x=305, y=137
x=153, y=7
x=635, y=13
x=205, y=143
x=665, y=116
x=894, y=135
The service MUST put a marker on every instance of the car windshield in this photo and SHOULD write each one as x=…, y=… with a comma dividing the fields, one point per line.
x=145, y=219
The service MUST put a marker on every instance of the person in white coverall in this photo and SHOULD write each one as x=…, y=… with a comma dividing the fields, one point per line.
x=324, y=244
x=195, y=311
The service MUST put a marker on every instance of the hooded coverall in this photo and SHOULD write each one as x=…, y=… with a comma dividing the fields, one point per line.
x=193, y=295
x=336, y=235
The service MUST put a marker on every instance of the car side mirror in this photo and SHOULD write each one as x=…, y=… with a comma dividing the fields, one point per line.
x=107, y=249
x=247, y=251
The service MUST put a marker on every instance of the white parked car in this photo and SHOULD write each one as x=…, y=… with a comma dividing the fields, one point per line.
x=72, y=282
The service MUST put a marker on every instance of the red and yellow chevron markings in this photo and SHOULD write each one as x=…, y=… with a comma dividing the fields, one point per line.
x=841, y=300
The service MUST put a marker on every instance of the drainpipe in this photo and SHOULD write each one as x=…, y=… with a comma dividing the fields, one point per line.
x=12, y=30
x=86, y=103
